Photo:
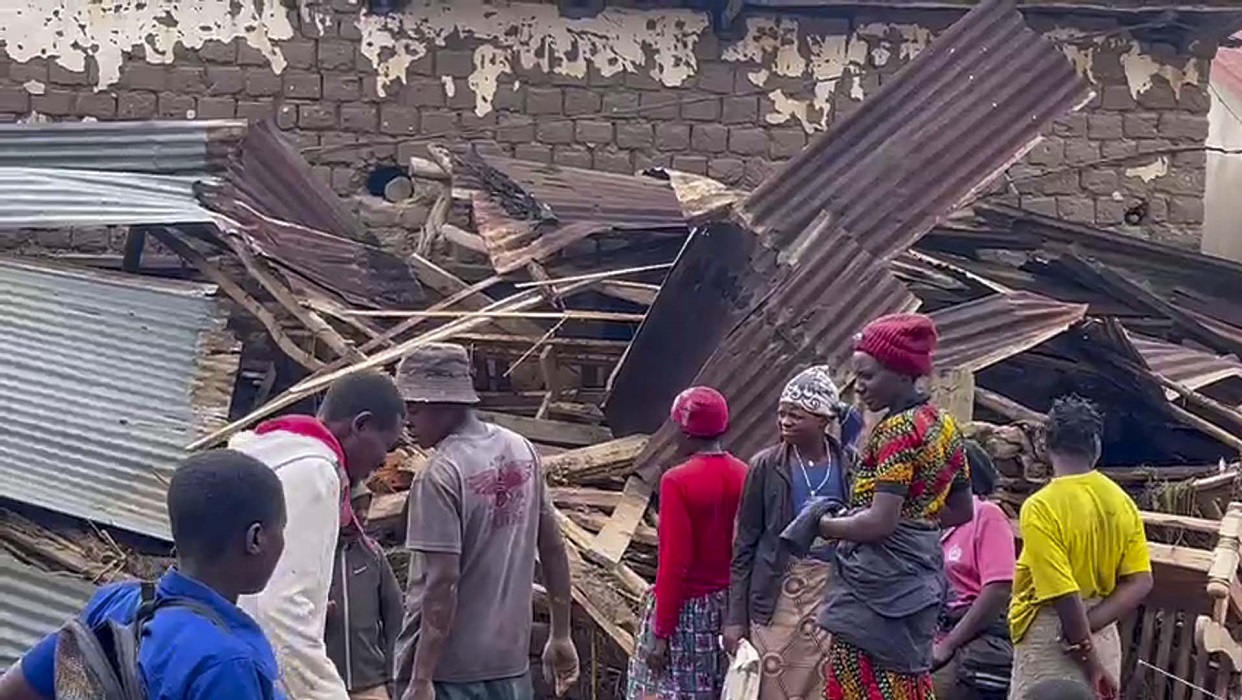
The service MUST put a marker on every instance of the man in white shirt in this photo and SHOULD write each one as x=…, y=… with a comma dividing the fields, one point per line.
x=316, y=458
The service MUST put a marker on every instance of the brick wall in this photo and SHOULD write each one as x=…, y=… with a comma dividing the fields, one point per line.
x=624, y=91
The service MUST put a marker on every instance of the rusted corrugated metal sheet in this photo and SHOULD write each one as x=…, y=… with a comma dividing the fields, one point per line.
x=953, y=118
x=1191, y=368
x=835, y=215
x=36, y=603
x=978, y=334
x=529, y=211
x=304, y=225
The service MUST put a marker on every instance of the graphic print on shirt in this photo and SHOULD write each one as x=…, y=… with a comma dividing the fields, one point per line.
x=954, y=554
x=504, y=487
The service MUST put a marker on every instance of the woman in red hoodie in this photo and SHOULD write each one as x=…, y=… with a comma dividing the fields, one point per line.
x=678, y=655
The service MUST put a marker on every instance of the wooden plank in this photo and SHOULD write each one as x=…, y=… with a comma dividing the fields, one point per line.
x=610, y=544
x=953, y=391
x=1185, y=652
x=595, y=521
x=580, y=538
x=386, y=507
x=1164, y=652
x=549, y=431
x=572, y=497
x=594, y=460
x=1144, y=652
x=1180, y=522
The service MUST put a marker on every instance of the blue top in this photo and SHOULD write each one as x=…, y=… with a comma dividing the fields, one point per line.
x=184, y=656
x=827, y=472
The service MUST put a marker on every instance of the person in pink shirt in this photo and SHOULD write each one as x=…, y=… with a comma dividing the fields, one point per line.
x=973, y=653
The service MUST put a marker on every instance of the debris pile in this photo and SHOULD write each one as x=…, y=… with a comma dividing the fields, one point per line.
x=588, y=300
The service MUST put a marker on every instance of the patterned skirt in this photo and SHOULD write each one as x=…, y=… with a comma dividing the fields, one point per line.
x=850, y=674
x=696, y=664
x=792, y=646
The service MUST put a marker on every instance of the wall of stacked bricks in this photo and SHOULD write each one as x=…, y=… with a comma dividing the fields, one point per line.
x=733, y=108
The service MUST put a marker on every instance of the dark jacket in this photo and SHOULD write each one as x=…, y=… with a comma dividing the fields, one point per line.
x=364, y=614
x=759, y=558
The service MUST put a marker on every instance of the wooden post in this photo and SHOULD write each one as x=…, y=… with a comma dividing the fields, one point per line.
x=953, y=391
x=1211, y=634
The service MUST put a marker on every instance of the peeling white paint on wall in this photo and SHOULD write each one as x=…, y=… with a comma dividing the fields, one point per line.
x=1141, y=68
x=450, y=86
x=911, y=39
x=34, y=87
x=1079, y=51
x=780, y=48
x=71, y=31
x=1155, y=169
x=770, y=42
x=535, y=35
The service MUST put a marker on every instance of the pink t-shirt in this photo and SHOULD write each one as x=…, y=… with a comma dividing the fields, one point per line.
x=978, y=553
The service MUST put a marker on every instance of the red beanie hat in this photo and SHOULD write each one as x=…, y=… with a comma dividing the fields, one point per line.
x=903, y=343
x=701, y=412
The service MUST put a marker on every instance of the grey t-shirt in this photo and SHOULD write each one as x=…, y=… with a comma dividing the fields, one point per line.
x=479, y=497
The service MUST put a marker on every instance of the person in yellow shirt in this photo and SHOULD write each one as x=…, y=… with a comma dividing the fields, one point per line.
x=1084, y=563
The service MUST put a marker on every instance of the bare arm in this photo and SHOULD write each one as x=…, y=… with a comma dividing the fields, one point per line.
x=13, y=685
x=875, y=523
x=442, y=572
x=392, y=609
x=958, y=509
x=993, y=598
x=1128, y=595
x=554, y=562
x=1073, y=615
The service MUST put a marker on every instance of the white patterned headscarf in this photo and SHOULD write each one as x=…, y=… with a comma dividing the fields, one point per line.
x=813, y=391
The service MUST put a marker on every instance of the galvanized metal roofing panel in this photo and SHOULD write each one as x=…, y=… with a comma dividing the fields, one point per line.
x=36, y=603
x=978, y=334
x=955, y=117
x=105, y=378
x=140, y=146
x=860, y=194
x=48, y=198
x=1193, y=369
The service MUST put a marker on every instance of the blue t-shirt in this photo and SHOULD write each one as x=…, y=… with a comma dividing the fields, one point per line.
x=184, y=656
x=828, y=473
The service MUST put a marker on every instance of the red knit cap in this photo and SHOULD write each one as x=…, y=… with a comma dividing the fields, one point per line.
x=901, y=342
x=701, y=412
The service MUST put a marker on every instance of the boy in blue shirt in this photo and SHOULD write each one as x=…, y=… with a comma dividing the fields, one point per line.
x=227, y=512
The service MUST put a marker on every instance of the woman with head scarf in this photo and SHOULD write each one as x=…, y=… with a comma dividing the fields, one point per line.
x=883, y=602
x=774, y=592
x=678, y=655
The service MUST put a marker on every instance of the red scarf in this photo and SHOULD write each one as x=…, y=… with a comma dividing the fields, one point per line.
x=312, y=427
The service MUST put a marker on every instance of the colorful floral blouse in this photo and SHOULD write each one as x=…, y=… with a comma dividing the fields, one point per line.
x=918, y=453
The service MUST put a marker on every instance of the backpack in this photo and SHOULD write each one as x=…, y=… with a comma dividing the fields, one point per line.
x=101, y=662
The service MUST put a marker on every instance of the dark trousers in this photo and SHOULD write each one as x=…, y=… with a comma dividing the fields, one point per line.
x=516, y=688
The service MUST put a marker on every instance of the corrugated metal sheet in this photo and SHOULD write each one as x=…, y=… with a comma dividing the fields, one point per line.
x=47, y=198
x=529, y=211
x=952, y=119
x=163, y=147
x=304, y=225
x=969, y=105
x=1191, y=368
x=36, y=603
x=105, y=378
x=978, y=334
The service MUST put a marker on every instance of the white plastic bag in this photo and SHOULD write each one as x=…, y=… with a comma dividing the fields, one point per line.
x=742, y=679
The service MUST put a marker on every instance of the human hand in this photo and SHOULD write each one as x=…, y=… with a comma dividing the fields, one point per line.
x=1102, y=681
x=942, y=654
x=419, y=690
x=732, y=636
x=560, y=663
x=657, y=660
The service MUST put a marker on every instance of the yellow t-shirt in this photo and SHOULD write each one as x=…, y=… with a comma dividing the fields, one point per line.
x=1080, y=534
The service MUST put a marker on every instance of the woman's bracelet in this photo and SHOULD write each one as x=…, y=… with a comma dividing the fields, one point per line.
x=1079, y=651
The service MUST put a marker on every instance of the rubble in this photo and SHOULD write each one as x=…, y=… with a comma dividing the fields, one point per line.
x=599, y=296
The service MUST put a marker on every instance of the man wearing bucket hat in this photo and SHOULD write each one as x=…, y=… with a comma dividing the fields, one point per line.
x=478, y=515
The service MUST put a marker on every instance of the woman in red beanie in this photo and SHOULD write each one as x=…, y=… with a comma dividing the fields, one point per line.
x=883, y=605
x=678, y=655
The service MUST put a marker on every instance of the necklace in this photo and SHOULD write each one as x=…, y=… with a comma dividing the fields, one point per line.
x=805, y=475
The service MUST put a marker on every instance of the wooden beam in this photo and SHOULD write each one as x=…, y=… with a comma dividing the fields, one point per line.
x=594, y=521
x=572, y=497
x=610, y=544
x=953, y=391
x=594, y=460
x=239, y=295
x=549, y=431
x=581, y=539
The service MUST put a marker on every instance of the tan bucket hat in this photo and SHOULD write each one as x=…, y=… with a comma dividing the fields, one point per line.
x=436, y=373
